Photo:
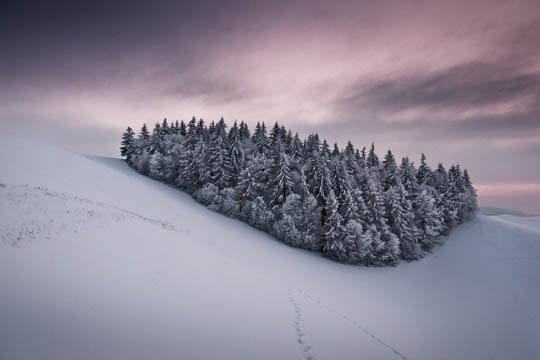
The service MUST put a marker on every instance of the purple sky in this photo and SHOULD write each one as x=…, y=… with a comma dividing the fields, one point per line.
x=458, y=80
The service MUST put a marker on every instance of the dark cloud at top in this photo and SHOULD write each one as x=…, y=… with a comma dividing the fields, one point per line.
x=71, y=42
x=464, y=86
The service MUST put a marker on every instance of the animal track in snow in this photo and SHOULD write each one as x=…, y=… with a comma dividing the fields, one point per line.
x=299, y=327
x=356, y=324
x=40, y=211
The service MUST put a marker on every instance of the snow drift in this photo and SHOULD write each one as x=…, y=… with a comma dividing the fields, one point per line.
x=98, y=262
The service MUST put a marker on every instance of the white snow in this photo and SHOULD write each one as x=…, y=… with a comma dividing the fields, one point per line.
x=99, y=262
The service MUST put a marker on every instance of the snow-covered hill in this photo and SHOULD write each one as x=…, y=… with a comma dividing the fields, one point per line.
x=98, y=262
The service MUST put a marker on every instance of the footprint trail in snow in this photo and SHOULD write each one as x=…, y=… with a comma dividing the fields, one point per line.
x=299, y=326
x=356, y=324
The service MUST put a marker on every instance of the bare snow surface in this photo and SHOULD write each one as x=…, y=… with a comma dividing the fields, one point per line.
x=99, y=262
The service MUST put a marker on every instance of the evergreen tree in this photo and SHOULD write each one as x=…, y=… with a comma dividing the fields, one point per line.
x=372, y=159
x=341, y=181
x=298, y=223
x=390, y=172
x=424, y=174
x=244, y=131
x=281, y=174
x=156, y=140
x=144, y=134
x=407, y=176
x=236, y=154
x=275, y=135
x=254, y=179
x=335, y=152
x=320, y=183
x=128, y=144
x=385, y=244
x=428, y=219
x=260, y=139
x=401, y=222
x=218, y=160
x=165, y=129
x=332, y=231
x=182, y=130
x=470, y=197
x=297, y=152
x=195, y=173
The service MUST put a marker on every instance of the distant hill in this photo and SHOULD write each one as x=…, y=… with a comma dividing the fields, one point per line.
x=494, y=211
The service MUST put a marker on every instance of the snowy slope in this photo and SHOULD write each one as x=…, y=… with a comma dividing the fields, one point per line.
x=98, y=262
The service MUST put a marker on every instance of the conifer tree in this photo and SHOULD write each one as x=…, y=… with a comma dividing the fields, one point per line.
x=332, y=231
x=320, y=183
x=401, y=222
x=372, y=159
x=297, y=152
x=341, y=180
x=335, y=152
x=428, y=219
x=218, y=160
x=390, y=172
x=182, y=130
x=260, y=138
x=236, y=154
x=282, y=184
x=128, y=144
x=424, y=174
x=275, y=135
x=144, y=134
x=407, y=176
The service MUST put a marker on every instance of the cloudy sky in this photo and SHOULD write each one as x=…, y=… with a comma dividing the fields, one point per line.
x=458, y=80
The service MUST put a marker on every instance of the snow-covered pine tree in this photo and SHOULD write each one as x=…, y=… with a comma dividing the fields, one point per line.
x=428, y=219
x=424, y=174
x=182, y=129
x=401, y=221
x=325, y=149
x=332, y=231
x=298, y=222
x=260, y=138
x=144, y=134
x=218, y=159
x=385, y=244
x=282, y=184
x=390, y=175
x=275, y=135
x=340, y=179
x=156, y=140
x=165, y=129
x=195, y=174
x=254, y=178
x=244, y=131
x=257, y=214
x=470, y=198
x=372, y=159
x=236, y=154
x=319, y=180
x=297, y=151
x=407, y=176
x=457, y=191
x=312, y=144
x=335, y=151
x=128, y=145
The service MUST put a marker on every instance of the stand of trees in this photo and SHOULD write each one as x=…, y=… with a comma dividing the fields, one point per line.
x=343, y=203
